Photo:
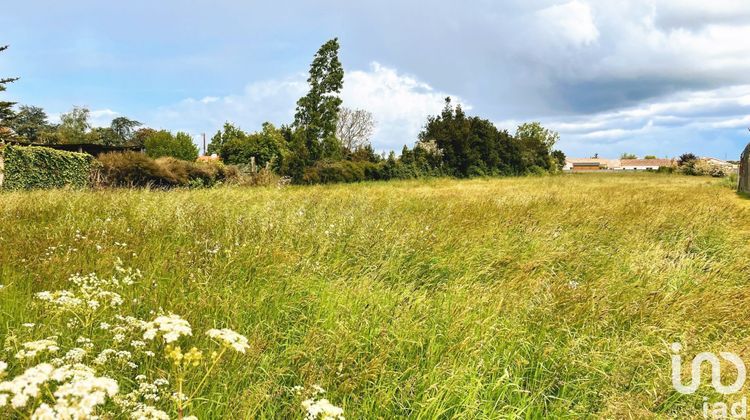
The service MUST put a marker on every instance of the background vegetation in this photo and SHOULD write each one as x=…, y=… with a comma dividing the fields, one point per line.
x=41, y=167
x=528, y=297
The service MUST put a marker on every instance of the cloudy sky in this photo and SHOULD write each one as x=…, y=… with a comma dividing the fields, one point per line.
x=656, y=77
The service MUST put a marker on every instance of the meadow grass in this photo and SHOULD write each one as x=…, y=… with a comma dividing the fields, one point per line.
x=522, y=297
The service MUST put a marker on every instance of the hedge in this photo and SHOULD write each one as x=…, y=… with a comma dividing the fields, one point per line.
x=33, y=167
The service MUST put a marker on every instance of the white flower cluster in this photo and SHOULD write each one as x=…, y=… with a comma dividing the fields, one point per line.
x=319, y=408
x=171, y=326
x=79, y=392
x=91, y=292
x=34, y=348
x=229, y=338
x=322, y=410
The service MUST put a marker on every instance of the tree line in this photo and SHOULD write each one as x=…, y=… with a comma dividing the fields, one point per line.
x=326, y=141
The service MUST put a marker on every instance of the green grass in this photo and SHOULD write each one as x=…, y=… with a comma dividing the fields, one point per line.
x=529, y=297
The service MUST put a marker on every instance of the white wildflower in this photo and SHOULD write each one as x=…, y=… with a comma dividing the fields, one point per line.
x=229, y=338
x=322, y=409
x=171, y=327
x=32, y=348
x=146, y=412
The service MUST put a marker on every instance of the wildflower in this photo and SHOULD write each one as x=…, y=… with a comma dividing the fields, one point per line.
x=322, y=409
x=147, y=412
x=229, y=338
x=32, y=348
x=573, y=284
x=28, y=325
x=75, y=355
x=3, y=367
x=171, y=326
x=104, y=326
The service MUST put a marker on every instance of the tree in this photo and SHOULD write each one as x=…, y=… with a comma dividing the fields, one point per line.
x=559, y=158
x=6, y=108
x=264, y=147
x=536, y=144
x=466, y=146
x=163, y=144
x=125, y=129
x=103, y=135
x=74, y=125
x=686, y=159
x=649, y=157
x=30, y=123
x=317, y=112
x=628, y=156
x=354, y=128
x=229, y=132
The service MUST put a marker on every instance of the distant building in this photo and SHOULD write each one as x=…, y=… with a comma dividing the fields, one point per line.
x=597, y=164
x=587, y=164
x=644, y=164
x=722, y=164
x=208, y=159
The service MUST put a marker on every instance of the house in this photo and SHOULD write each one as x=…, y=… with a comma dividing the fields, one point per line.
x=721, y=164
x=586, y=164
x=644, y=164
x=597, y=164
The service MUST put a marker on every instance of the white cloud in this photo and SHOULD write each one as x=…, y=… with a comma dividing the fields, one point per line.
x=572, y=21
x=102, y=117
x=399, y=103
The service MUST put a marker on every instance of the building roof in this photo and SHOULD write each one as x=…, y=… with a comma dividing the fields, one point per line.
x=646, y=162
x=591, y=161
x=92, y=149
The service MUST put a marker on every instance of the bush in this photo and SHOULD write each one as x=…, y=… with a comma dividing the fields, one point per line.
x=133, y=169
x=31, y=167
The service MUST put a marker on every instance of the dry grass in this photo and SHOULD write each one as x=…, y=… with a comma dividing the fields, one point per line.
x=531, y=297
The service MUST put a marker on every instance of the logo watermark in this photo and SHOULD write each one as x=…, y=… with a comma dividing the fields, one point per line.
x=718, y=409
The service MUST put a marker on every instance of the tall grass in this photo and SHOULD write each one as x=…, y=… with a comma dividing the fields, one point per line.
x=552, y=296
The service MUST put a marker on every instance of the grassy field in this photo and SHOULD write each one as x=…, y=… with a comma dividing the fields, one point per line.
x=530, y=297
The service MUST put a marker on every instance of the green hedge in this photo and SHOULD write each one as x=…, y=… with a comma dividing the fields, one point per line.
x=31, y=167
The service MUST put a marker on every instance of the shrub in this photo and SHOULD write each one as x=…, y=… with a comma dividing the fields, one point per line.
x=30, y=167
x=132, y=169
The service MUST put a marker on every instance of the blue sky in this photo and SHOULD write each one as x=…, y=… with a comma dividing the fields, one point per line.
x=658, y=77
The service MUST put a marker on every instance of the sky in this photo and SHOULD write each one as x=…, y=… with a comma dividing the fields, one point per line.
x=649, y=77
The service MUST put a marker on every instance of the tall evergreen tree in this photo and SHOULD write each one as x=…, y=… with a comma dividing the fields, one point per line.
x=6, y=108
x=317, y=112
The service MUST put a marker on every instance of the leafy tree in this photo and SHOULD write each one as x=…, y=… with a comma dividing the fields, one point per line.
x=74, y=125
x=6, y=108
x=559, y=158
x=317, y=112
x=140, y=135
x=230, y=132
x=162, y=143
x=467, y=146
x=124, y=129
x=628, y=156
x=649, y=157
x=536, y=144
x=686, y=159
x=266, y=146
x=30, y=123
x=103, y=135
